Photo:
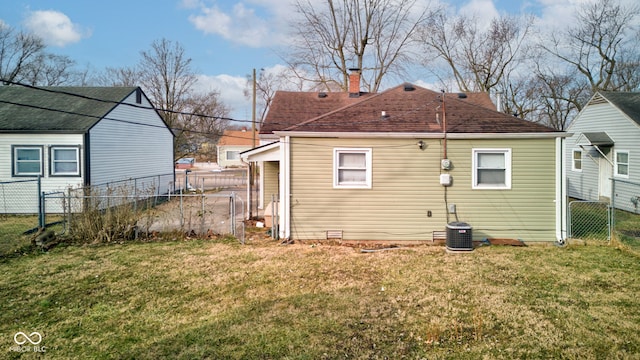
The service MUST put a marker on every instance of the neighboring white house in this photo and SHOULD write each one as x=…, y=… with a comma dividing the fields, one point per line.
x=603, y=154
x=231, y=144
x=82, y=136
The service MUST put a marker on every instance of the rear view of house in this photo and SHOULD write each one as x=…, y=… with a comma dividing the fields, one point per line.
x=603, y=153
x=401, y=165
x=72, y=137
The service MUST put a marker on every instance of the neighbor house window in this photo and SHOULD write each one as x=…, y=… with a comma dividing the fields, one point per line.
x=577, y=160
x=622, y=163
x=352, y=168
x=491, y=169
x=65, y=161
x=27, y=160
x=233, y=155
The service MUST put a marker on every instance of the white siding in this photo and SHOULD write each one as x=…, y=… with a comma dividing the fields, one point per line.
x=49, y=183
x=626, y=135
x=130, y=143
x=24, y=197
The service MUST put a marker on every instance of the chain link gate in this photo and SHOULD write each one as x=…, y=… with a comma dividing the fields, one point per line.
x=590, y=220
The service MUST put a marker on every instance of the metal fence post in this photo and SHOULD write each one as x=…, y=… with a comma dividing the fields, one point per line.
x=232, y=212
x=202, y=214
x=41, y=204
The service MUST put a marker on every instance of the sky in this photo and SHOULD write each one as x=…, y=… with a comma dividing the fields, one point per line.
x=225, y=39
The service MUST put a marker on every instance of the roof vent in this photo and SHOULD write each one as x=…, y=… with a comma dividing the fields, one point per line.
x=322, y=95
x=462, y=96
x=409, y=87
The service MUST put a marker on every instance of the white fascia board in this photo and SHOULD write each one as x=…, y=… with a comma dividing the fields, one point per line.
x=550, y=135
x=360, y=135
x=264, y=149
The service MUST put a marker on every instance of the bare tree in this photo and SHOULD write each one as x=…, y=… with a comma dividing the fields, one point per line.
x=23, y=59
x=50, y=70
x=166, y=75
x=200, y=127
x=603, y=46
x=269, y=81
x=372, y=35
x=478, y=59
x=124, y=76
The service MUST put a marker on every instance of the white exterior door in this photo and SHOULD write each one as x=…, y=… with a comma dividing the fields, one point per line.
x=604, y=183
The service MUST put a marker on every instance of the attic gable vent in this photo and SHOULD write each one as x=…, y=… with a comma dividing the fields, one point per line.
x=409, y=87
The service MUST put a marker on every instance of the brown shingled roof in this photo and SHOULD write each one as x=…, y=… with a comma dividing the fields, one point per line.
x=416, y=110
x=290, y=107
x=236, y=137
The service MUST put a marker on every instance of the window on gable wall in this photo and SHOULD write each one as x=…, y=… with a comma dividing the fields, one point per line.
x=577, y=160
x=352, y=168
x=622, y=163
x=65, y=161
x=233, y=155
x=27, y=160
x=491, y=169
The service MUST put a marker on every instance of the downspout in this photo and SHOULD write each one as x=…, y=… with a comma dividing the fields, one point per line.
x=444, y=153
x=444, y=126
x=284, y=220
x=561, y=198
x=87, y=160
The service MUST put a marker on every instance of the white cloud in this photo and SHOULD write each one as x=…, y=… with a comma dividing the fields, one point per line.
x=54, y=27
x=482, y=9
x=242, y=24
x=231, y=89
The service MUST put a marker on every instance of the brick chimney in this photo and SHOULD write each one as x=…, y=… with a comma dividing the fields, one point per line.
x=354, y=82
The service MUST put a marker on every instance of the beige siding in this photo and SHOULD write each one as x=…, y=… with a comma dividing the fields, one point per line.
x=527, y=210
x=271, y=170
x=405, y=188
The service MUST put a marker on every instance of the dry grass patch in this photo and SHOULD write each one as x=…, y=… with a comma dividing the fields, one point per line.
x=203, y=299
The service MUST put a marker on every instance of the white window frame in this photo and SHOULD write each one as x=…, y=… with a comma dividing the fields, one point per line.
x=507, y=173
x=232, y=155
x=573, y=160
x=628, y=163
x=15, y=150
x=336, y=168
x=53, y=161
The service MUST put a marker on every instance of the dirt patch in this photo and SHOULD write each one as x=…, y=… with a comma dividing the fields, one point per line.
x=508, y=242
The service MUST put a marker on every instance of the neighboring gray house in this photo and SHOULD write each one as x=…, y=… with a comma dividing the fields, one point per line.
x=603, y=153
x=81, y=136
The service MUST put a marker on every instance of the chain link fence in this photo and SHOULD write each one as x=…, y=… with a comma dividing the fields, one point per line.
x=17, y=217
x=117, y=215
x=589, y=220
x=127, y=209
x=626, y=218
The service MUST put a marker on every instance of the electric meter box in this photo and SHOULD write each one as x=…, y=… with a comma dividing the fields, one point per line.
x=445, y=179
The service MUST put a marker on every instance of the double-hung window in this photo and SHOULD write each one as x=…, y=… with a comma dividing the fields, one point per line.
x=491, y=169
x=576, y=164
x=65, y=161
x=352, y=168
x=233, y=155
x=622, y=163
x=27, y=160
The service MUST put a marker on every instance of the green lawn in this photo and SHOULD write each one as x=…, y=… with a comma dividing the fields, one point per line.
x=221, y=300
x=12, y=229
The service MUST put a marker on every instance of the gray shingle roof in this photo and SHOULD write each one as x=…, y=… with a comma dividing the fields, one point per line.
x=627, y=102
x=54, y=109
